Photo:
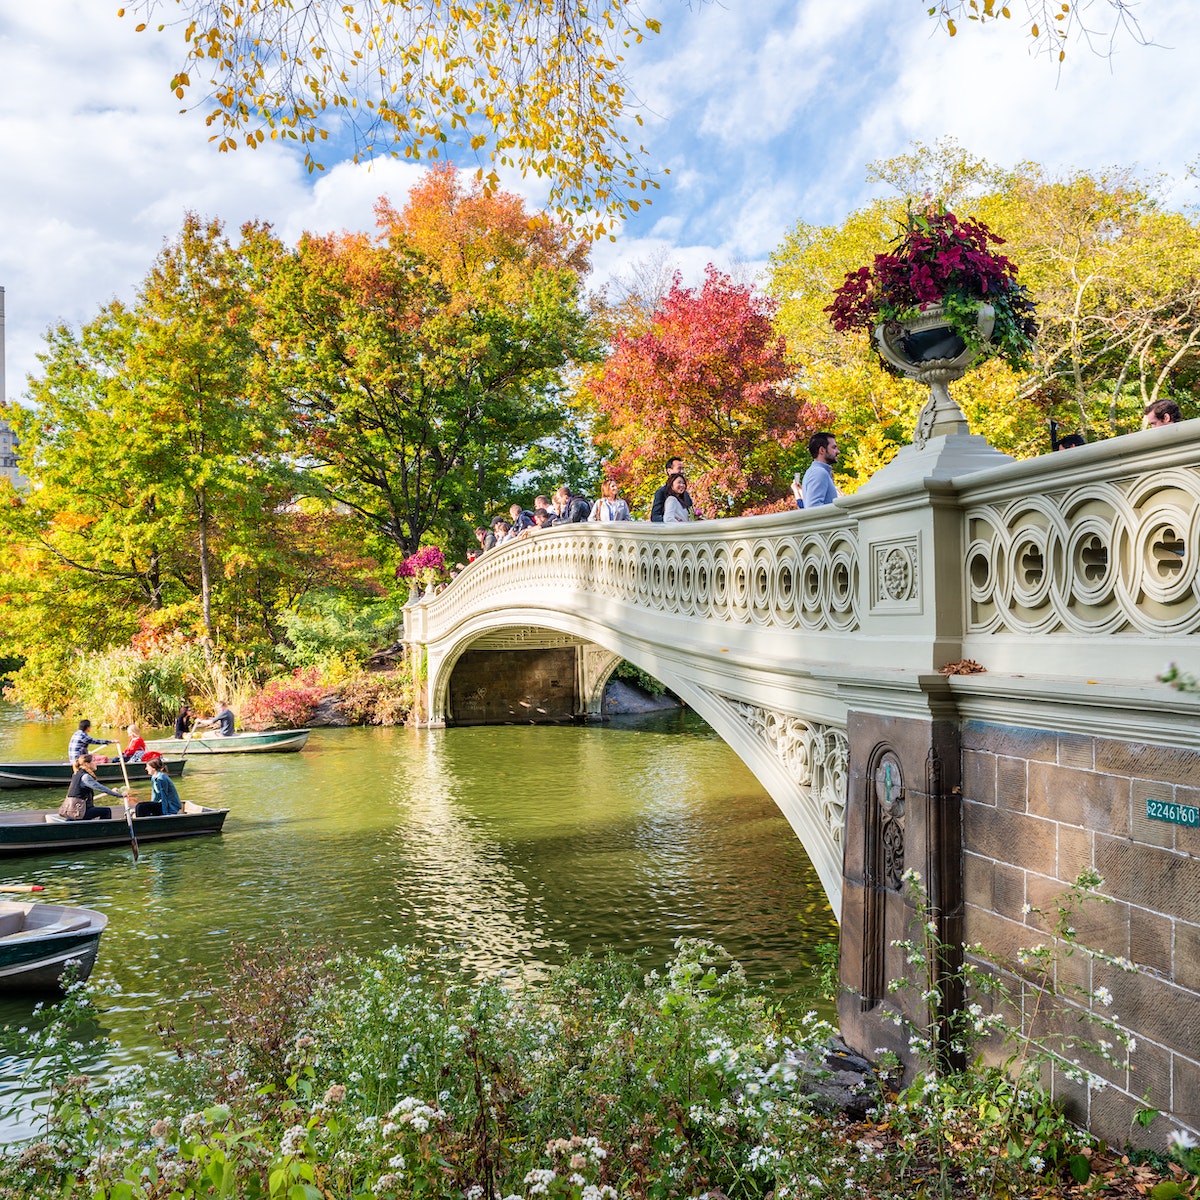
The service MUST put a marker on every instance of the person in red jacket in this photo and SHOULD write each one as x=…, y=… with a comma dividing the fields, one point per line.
x=136, y=749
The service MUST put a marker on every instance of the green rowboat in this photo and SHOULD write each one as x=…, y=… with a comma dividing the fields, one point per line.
x=28, y=832
x=58, y=774
x=275, y=741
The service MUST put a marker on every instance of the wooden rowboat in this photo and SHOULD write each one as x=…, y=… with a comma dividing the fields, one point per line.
x=39, y=941
x=58, y=774
x=38, y=832
x=274, y=741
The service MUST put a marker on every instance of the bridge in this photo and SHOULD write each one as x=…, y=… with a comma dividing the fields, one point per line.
x=814, y=643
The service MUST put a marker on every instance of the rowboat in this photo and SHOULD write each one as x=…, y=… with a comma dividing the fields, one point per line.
x=39, y=941
x=58, y=774
x=274, y=741
x=27, y=832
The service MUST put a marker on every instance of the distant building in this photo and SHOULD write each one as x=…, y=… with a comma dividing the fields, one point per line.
x=8, y=456
x=8, y=439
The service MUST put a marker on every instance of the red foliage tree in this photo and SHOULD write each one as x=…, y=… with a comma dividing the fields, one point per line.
x=708, y=381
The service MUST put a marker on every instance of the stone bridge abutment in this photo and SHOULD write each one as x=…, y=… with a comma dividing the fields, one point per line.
x=814, y=643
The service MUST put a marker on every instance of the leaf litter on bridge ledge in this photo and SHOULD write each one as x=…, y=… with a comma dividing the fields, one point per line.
x=964, y=666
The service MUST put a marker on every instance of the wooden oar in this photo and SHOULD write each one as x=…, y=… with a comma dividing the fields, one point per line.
x=21, y=887
x=125, y=801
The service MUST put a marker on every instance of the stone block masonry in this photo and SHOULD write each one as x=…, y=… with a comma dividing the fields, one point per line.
x=1083, y=804
x=497, y=687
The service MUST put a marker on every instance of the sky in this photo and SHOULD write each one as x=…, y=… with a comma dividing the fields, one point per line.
x=766, y=112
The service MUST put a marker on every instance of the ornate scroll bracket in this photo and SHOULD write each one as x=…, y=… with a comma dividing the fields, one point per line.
x=816, y=758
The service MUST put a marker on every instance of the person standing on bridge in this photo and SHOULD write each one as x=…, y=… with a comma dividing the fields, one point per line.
x=818, y=487
x=610, y=507
x=674, y=508
x=1161, y=412
x=674, y=467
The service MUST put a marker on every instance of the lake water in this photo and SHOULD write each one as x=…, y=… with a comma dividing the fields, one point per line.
x=514, y=845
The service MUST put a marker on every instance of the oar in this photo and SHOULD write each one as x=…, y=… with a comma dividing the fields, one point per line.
x=21, y=887
x=125, y=801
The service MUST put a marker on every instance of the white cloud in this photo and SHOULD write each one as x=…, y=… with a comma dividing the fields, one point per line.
x=766, y=112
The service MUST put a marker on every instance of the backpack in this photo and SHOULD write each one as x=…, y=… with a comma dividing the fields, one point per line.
x=579, y=508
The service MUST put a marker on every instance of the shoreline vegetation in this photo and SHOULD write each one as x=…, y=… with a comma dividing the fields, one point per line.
x=148, y=686
x=397, y=1075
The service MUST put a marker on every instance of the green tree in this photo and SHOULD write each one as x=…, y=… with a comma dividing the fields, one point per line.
x=158, y=483
x=424, y=369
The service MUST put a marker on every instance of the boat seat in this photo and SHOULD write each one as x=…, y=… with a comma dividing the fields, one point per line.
x=66, y=925
x=11, y=922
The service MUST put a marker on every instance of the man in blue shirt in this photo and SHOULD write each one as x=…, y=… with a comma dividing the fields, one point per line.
x=81, y=740
x=222, y=722
x=818, y=487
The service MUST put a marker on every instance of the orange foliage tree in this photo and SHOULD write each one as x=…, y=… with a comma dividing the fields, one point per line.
x=423, y=367
x=710, y=382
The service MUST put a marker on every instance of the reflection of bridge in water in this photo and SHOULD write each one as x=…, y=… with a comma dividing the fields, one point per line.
x=812, y=642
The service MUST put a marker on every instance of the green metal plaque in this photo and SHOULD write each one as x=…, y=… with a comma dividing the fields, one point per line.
x=1176, y=814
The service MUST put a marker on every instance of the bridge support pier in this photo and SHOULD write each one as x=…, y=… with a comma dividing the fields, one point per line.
x=904, y=816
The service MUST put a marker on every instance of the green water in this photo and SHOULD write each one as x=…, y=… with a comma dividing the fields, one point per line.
x=514, y=845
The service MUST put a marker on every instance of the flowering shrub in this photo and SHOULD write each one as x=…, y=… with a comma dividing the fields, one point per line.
x=402, y=1076
x=286, y=703
x=378, y=698
x=939, y=259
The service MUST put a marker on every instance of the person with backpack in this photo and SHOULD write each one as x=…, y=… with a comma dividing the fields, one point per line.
x=572, y=509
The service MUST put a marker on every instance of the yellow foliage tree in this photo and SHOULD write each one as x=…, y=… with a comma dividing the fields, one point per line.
x=1116, y=278
x=1051, y=24
x=535, y=85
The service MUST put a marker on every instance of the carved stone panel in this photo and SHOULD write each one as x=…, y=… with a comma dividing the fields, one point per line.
x=895, y=575
x=888, y=827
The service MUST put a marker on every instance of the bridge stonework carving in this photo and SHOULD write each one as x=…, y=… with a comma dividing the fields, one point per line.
x=812, y=642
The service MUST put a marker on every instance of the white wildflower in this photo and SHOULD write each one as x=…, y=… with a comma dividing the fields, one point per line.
x=293, y=1140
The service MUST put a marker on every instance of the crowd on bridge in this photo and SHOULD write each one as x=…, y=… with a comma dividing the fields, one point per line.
x=672, y=504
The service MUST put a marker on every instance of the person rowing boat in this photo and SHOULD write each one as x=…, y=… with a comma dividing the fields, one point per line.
x=81, y=792
x=222, y=723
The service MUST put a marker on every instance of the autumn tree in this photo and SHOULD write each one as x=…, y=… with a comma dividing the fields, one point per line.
x=158, y=485
x=538, y=85
x=1051, y=25
x=709, y=380
x=423, y=368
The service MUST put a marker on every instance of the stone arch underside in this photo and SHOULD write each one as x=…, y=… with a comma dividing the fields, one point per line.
x=801, y=761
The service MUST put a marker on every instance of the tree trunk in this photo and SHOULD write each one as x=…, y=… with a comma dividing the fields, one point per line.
x=205, y=576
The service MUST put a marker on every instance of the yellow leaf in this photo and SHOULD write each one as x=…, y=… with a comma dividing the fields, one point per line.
x=951, y=28
x=654, y=26
x=1034, y=31
x=139, y=28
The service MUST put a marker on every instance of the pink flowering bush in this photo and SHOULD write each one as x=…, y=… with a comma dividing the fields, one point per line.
x=939, y=259
x=429, y=559
x=287, y=703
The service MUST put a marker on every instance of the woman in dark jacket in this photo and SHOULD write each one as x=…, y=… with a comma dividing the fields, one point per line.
x=82, y=788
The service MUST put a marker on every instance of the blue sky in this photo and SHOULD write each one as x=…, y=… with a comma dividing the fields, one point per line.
x=766, y=112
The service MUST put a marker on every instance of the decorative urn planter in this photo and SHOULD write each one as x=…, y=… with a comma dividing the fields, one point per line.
x=928, y=343
x=928, y=349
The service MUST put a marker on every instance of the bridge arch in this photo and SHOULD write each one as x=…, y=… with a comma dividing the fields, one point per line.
x=801, y=763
